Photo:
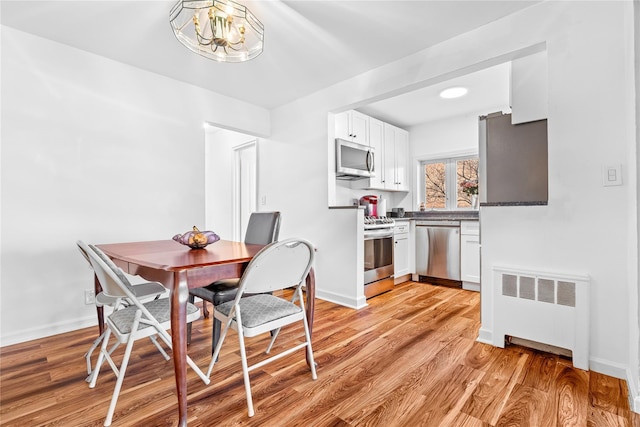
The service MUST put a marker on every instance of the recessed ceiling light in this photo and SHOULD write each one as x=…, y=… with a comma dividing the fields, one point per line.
x=453, y=92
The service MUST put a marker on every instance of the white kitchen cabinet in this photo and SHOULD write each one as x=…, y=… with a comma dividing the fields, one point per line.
x=402, y=159
x=402, y=252
x=391, y=158
x=376, y=141
x=352, y=126
x=470, y=255
x=396, y=152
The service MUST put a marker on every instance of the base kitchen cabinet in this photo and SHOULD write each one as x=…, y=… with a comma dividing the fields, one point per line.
x=402, y=254
x=470, y=255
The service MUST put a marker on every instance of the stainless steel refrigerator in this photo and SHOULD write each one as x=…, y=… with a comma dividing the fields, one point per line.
x=513, y=167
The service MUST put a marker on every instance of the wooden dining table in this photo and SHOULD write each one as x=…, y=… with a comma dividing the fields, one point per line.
x=180, y=268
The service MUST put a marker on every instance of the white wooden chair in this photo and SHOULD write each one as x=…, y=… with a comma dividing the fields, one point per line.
x=277, y=266
x=131, y=323
x=142, y=291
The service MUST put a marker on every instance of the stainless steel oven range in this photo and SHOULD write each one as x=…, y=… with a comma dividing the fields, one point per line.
x=378, y=255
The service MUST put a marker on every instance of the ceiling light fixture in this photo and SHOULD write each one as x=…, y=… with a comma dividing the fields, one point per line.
x=222, y=30
x=453, y=92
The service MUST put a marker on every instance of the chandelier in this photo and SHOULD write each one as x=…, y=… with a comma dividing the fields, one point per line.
x=222, y=30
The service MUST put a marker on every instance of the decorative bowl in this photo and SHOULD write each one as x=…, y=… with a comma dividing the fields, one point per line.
x=196, y=239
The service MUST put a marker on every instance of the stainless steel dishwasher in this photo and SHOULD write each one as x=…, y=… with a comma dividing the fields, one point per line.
x=438, y=249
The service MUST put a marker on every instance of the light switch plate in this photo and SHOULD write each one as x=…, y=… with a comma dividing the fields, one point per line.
x=611, y=175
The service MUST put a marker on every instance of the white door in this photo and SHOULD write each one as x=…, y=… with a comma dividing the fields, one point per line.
x=245, y=186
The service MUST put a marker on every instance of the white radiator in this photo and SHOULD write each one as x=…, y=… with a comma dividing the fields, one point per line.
x=547, y=308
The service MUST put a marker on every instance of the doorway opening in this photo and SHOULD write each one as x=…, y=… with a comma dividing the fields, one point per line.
x=245, y=186
x=231, y=181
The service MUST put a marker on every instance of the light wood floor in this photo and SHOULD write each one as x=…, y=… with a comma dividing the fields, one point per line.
x=408, y=359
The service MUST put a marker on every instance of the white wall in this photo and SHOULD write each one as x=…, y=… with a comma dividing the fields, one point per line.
x=633, y=375
x=586, y=228
x=442, y=137
x=454, y=136
x=575, y=233
x=94, y=150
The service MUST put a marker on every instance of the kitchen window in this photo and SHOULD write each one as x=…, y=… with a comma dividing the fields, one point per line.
x=445, y=180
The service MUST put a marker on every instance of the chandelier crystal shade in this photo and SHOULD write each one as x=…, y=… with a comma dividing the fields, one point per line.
x=222, y=30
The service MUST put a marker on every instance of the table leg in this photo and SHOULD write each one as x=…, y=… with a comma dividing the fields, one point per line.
x=179, y=296
x=97, y=288
x=310, y=286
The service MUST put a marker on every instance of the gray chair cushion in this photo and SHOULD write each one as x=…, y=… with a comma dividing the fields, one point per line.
x=160, y=309
x=259, y=309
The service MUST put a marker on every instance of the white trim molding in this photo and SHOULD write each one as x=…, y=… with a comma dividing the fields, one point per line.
x=634, y=391
x=49, y=330
x=485, y=336
x=341, y=299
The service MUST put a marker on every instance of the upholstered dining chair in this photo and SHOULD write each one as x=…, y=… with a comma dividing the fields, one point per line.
x=255, y=310
x=128, y=324
x=143, y=291
x=263, y=228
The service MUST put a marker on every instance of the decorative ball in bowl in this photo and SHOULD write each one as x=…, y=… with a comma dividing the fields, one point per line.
x=196, y=239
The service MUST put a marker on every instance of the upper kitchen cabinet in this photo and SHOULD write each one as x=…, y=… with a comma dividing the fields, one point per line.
x=376, y=141
x=390, y=146
x=396, y=152
x=529, y=94
x=352, y=126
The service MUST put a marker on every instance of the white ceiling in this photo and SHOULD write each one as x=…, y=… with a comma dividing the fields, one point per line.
x=488, y=92
x=309, y=45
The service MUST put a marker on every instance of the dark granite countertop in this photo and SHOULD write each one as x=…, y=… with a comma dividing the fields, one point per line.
x=466, y=215
x=542, y=203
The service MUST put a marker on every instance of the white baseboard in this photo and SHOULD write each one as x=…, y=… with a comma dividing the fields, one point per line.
x=485, y=336
x=48, y=330
x=341, y=299
x=634, y=392
x=470, y=286
x=608, y=367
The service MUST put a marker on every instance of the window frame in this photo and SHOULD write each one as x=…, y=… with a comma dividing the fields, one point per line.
x=451, y=178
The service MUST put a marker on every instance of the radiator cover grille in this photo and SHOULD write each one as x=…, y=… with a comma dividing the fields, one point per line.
x=547, y=290
x=548, y=308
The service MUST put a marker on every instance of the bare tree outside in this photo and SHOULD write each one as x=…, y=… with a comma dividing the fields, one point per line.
x=435, y=191
x=467, y=182
x=436, y=182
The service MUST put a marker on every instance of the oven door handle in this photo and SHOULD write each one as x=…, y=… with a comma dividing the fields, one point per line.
x=377, y=234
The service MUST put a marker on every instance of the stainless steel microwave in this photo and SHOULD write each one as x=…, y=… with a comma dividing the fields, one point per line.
x=353, y=160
